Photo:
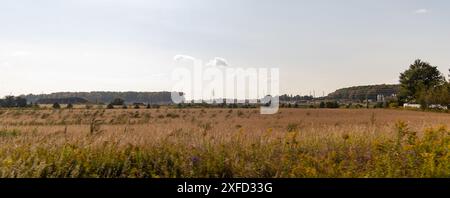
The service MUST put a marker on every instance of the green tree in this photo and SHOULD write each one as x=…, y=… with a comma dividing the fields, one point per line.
x=56, y=105
x=332, y=104
x=322, y=105
x=419, y=78
x=20, y=102
x=118, y=101
x=69, y=106
x=437, y=95
x=9, y=101
x=110, y=106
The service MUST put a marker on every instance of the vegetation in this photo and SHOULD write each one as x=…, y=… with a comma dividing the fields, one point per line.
x=105, y=97
x=231, y=140
x=296, y=98
x=329, y=104
x=11, y=101
x=364, y=92
x=200, y=143
x=110, y=106
x=118, y=101
x=424, y=84
x=70, y=100
x=56, y=106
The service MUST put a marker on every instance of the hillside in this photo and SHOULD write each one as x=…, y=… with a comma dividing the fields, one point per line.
x=106, y=97
x=363, y=92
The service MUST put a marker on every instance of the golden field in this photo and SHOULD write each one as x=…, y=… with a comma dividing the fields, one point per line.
x=170, y=142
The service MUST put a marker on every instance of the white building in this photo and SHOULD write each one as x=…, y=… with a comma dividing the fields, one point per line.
x=407, y=105
x=380, y=98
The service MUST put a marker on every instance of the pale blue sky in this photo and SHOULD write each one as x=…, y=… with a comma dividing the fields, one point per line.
x=87, y=45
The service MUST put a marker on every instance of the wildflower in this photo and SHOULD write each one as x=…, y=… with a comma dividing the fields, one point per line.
x=427, y=155
x=408, y=147
x=8, y=161
x=195, y=160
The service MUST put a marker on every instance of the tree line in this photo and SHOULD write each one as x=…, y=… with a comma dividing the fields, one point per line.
x=11, y=101
x=105, y=97
x=361, y=93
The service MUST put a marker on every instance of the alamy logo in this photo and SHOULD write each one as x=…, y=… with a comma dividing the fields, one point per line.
x=216, y=82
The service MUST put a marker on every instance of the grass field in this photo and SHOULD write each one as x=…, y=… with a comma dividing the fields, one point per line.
x=223, y=143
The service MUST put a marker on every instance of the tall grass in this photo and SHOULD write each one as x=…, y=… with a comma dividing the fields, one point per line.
x=206, y=148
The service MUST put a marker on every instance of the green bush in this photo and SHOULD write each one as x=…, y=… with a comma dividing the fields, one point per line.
x=56, y=105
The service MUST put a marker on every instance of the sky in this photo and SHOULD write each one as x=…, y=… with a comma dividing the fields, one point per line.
x=129, y=45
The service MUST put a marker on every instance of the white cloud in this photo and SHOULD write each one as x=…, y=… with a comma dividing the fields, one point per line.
x=183, y=57
x=217, y=61
x=422, y=11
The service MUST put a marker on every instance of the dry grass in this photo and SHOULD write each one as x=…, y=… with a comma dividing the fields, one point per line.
x=223, y=143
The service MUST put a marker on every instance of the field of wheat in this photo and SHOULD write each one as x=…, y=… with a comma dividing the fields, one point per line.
x=170, y=142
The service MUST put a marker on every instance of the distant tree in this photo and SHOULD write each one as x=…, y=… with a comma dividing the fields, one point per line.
x=348, y=106
x=378, y=105
x=124, y=106
x=322, y=105
x=148, y=106
x=417, y=80
x=136, y=106
x=105, y=97
x=223, y=104
x=361, y=93
x=118, y=101
x=69, y=106
x=34, y=105
x=20, y=102
x=56, y=106
x=62, y=100
x=9, y=101
x=110, y=106
x=331, y=104
x=437, y=95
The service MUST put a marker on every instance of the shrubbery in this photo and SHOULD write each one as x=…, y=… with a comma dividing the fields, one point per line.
x=404, y=155
x=11, y=101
